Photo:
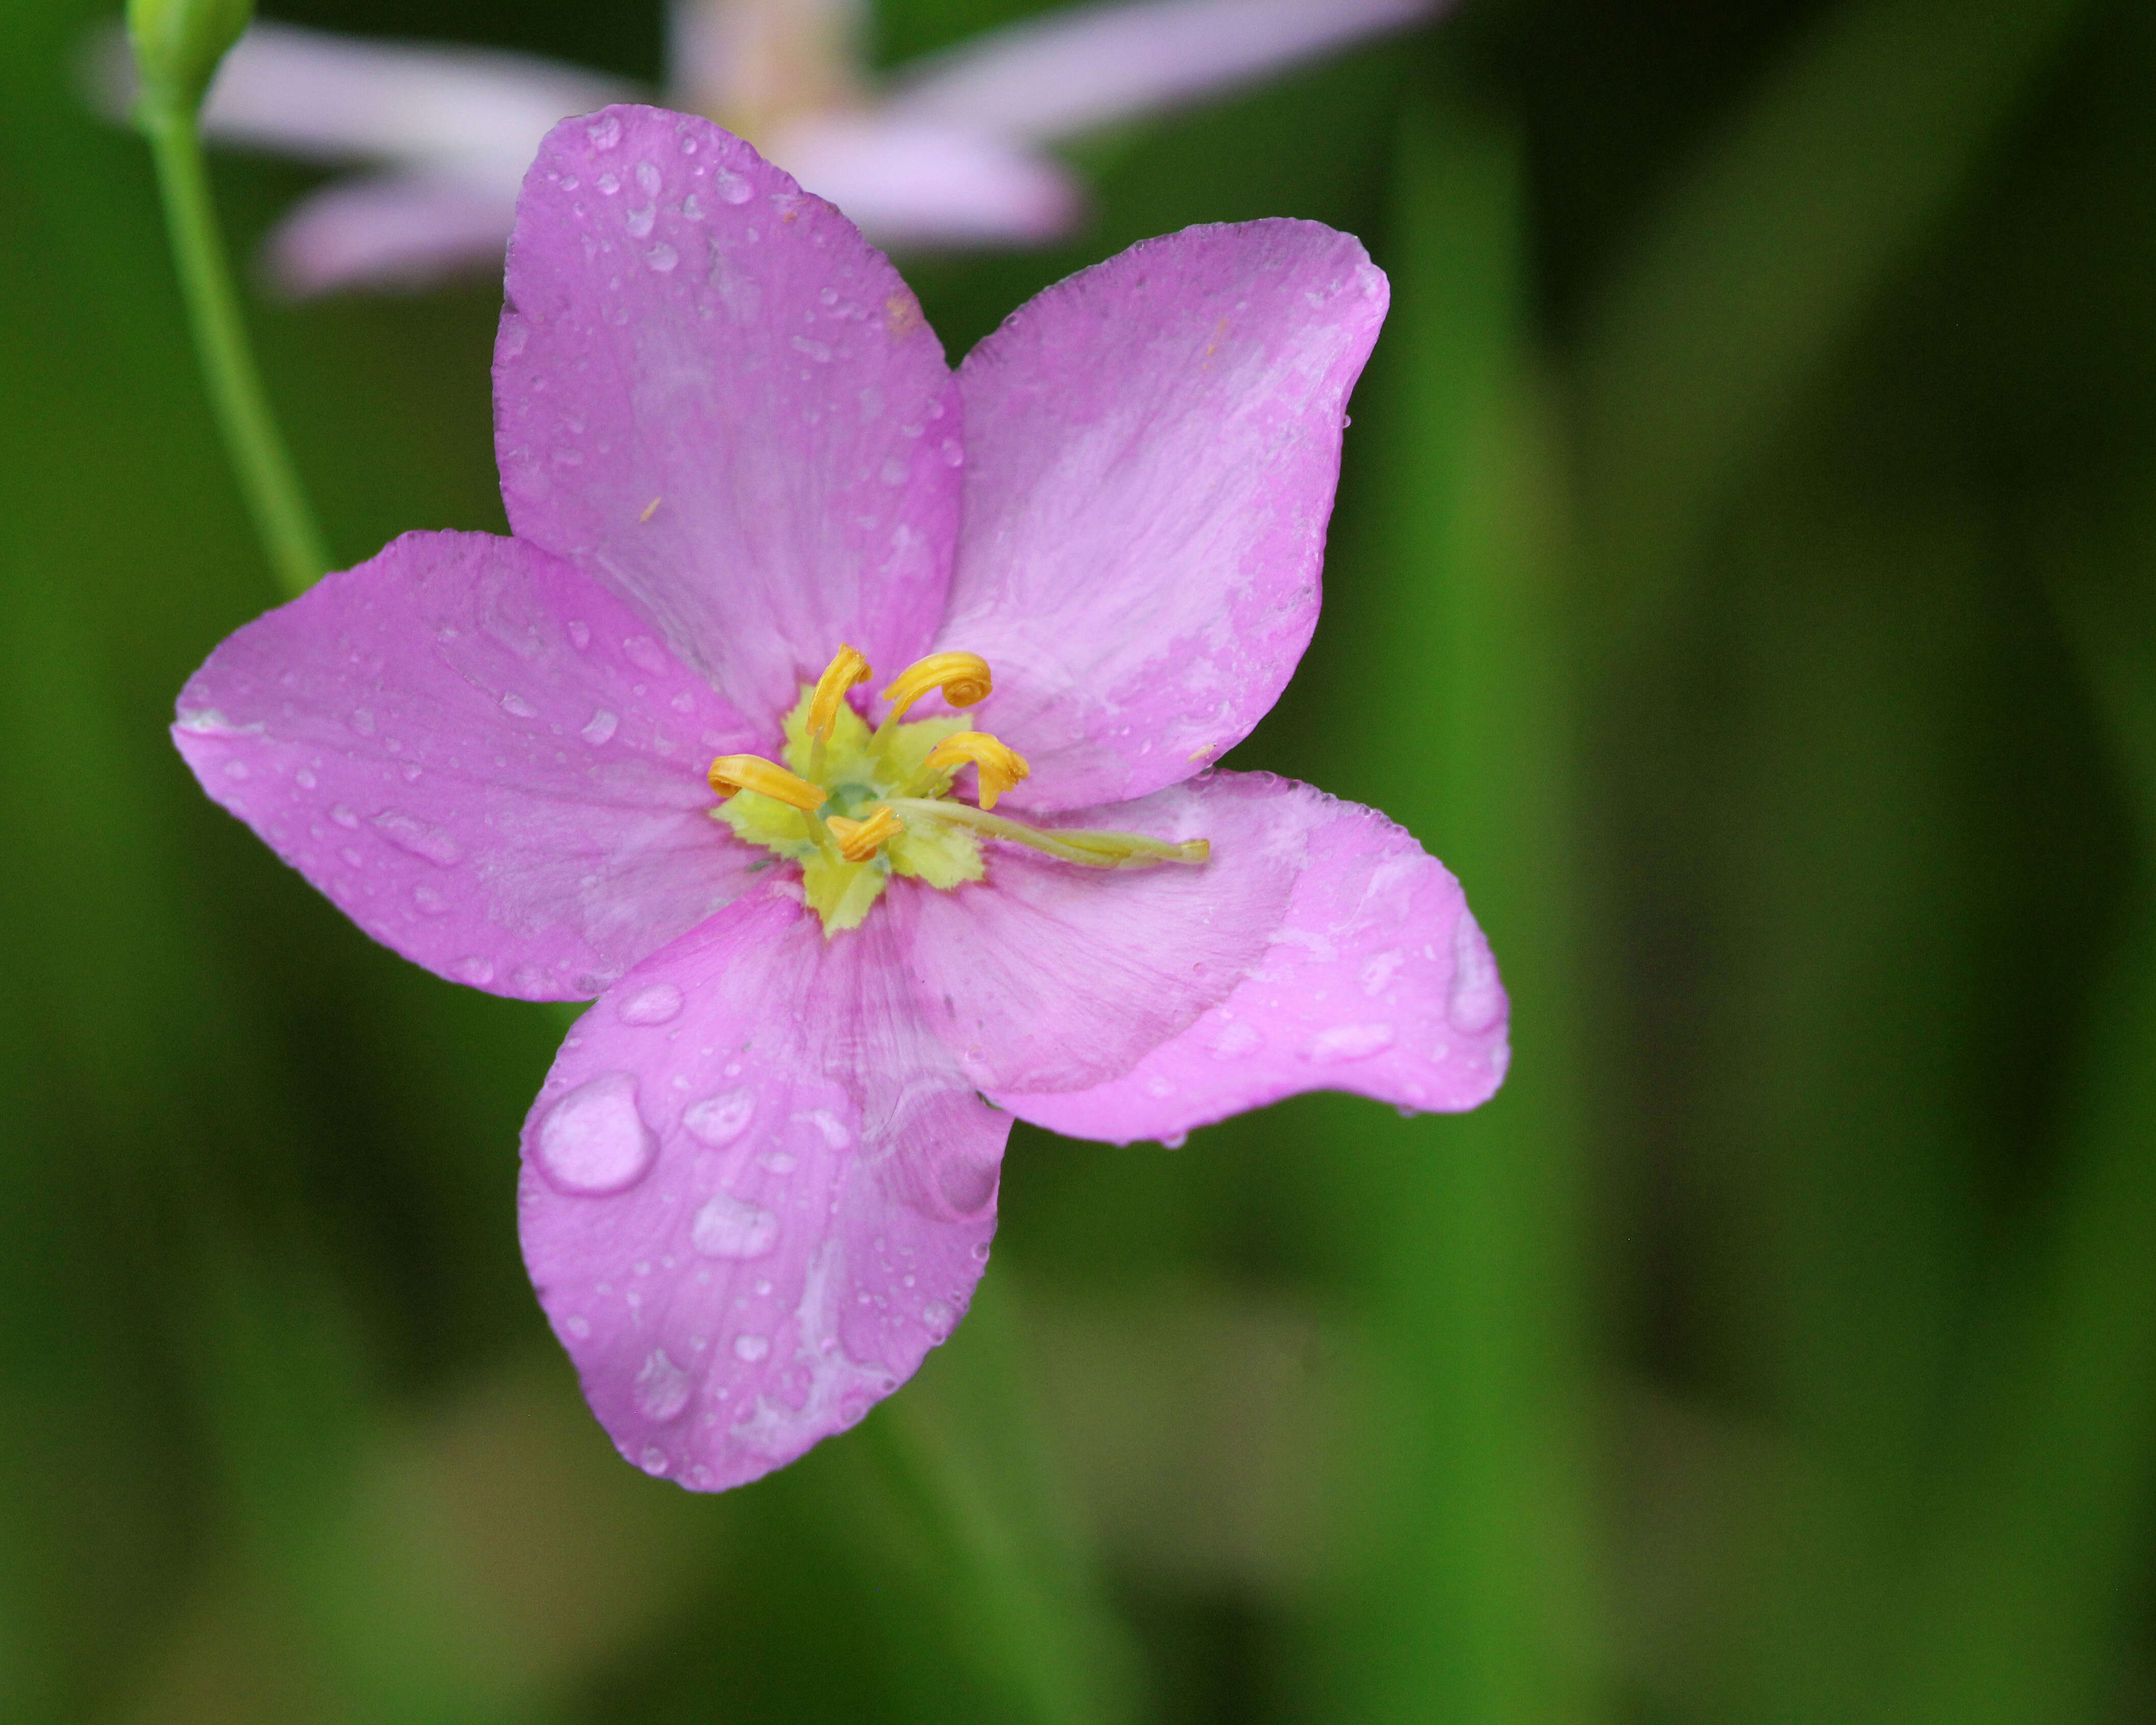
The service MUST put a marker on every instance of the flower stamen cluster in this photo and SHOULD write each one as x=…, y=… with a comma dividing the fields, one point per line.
x=855, y=807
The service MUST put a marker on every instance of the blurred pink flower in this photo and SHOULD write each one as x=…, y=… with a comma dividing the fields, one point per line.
x=948, y=152
x=759, y=1183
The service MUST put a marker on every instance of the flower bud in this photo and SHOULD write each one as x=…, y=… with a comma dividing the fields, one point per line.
x=178, y=44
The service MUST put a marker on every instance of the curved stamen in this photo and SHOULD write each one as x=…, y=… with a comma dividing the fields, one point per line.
x=847, y=668
x=964, y=678
x=751, y=773
x=1001, y=765
x=1094, y=849
x=859, y=840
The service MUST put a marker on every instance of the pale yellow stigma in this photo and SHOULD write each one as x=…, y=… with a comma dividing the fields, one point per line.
x=751, y=773
x=859, y=840
x=964, y=678
x=846, y=670
x=1001, y=765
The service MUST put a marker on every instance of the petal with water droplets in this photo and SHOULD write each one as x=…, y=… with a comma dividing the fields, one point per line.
x=1376, y=980
x=816, y=1208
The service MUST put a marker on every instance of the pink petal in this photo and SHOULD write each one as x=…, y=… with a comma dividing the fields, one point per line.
x=756, y=1191
x=1378, y=981
x=1091, y=66
x=1052, y=977
x=484, y=760
x=332, y=98
x=712, y=394
x=1152, y=446
x=919, y=184
x=404, y=230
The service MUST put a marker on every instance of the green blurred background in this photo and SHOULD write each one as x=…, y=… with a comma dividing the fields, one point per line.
x=1743, y=577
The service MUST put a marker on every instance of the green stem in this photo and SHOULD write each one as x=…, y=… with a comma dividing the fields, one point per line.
x=286, y=525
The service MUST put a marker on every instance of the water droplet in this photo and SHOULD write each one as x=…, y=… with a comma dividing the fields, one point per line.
x=662, y=1388
x=1477, y=997
x=647, y=176
x=654, y=1461
x=580, y=635
x=646, y=654
x=691, y=211
x=662, y=258
x=593, y=1141
x=1235, y=1041
x=939, y=1318
x=305, y=779
x=235, y=769
x=654, y=1005
x=362, y=721
x=640, y=220
x=726, y=1228
x=820, y=352
x=517, y=707
x=345, y=817
x=605, y=131
x=981, y=1251
x=721, y=1119
x=601, y=726
x=954, y=453
x=752, y=1348
x=1349, y=1042
x=421, y=839
x=477, y=972
x=1379, y=971
x=894, y=470
x=579, y=1327
x=609, y=183
x=430, y=902
x=730, y=186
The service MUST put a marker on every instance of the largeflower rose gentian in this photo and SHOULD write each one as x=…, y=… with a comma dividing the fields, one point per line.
x=632, y=751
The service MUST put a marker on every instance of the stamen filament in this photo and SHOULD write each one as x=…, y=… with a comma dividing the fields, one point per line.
x=860, y=839
x=964, y=678
x=1001, y=765
x=1092, y=849
x=751, y=773
x=847, y=668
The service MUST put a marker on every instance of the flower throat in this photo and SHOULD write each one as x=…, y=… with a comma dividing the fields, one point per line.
x=853, y=806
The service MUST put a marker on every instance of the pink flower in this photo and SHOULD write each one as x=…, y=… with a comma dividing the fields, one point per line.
x=948, y=152
x=760, y=1181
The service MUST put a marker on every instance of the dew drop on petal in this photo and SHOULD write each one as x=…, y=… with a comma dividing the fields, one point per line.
x=517, y=707
x=721, y=1119
x=477, y=972
x=939, y=1318
x=661, y=1387
x=601, y=726
x=1235, y=1041
x=647, y=178
x=640, y=220
x=593, y=1141
x=605, y=131
x=645, y=654
x=731, y=186
x=662, y=258
x=657, y=1004
x=726, y=1228
x=751, y=1348
x=1349, y=1042
x=1477, y=997
x=421, y=838
x=654, y=1461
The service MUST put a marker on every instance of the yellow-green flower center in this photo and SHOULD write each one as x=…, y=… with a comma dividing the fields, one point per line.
x=853, y=806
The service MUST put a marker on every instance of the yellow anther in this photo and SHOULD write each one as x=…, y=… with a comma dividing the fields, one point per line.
x=846, y=669
x=964, y=678
x=860, y=839
x=1001, y=766
x=766, y=778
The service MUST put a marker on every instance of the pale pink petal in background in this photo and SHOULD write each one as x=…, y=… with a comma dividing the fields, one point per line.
x=1152, y=446
x=1378, y=981
x=712, y=394
x=483, y=759
x=1070, y=71
x=756, y=1191
x=336, y=98
x=400, y=230
x=924, y=184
